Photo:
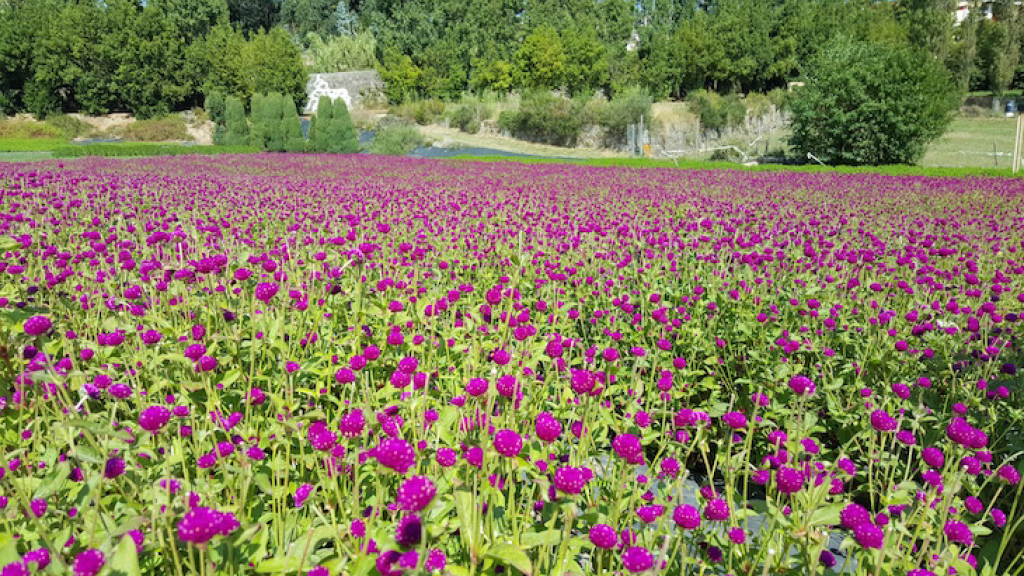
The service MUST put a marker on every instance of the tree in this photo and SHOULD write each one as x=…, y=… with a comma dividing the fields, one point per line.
x=541, y=60
x=276, y=65
x=215, y=106
x=300, y=17
x=866, y=103
x=249, y=16
x=291, y=128
x=237, y=127
x=271, y=121
x=320, y=125
x=342, y=136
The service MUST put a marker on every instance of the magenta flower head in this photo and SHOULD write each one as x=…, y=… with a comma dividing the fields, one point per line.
x=801, y=385
x=959, y=533
x=868, y=535
x=416, y=493
x=37, y=325
x=395, y=453
x=933, y=457
x=637, y=559
x=571, y=480
x=436, y=560
x=716, y=509
x=508, y=443
x=88, y=563
x=410, y=530
x=789, y=480
x=548, y=428
x=854, y=515
x=686, y=516
x=40, y=557
x=735, y=420
x=629, y=448
x=113, y=468
x=1009, y=474
x=154, y=418
x=477, y=386
x=201, y=524
x=604, y=536
x=882, y=421
x=265, y=291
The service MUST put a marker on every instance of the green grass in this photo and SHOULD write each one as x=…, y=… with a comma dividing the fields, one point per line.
x=935, y=172
x=969, y=142
x=30, y=144
x=144, y=149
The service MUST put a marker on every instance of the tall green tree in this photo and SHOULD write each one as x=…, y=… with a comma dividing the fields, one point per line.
x=342, y=135
x=320, y=125
x=237, y=127
x=276, y=65
x=871, y=103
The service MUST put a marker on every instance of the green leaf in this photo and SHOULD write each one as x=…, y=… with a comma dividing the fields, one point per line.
x=465, y=508
x=125, y=561
x=231, y=377
x=827, y=516
x=508, y=553
x=98, y=429
x=534, y=539
x=8, y=550
x=278, y=565
x=54, y=481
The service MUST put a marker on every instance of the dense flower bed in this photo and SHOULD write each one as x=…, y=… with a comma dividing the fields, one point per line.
x=324, y=365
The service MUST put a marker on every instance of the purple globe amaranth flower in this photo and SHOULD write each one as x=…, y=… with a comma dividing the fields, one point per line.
x=789, y=480
x=734, y=420
x=88, y=563
x=637, y=559
x=113, y=468
x=933, y=457
x=629, y=448
x=446, y=457
x=436, y=560
x=395, y=453
x=1008, y=474
x=882, y=421
x=302, y=494
x=686, y=516
x=508, y=443
x=416, y=493
x=409, y=531
x=38, y=507
x=716, y=509
x=801, y=385
x=868, y=535
x=477, y=386
x=40, y=557
x=201, y=524
x=154, y=418
x=571, y=480
x=603, y=536
x=959, y=533
x=37, y=325
x=15, y=569
x=265, y=291
x=650, y=513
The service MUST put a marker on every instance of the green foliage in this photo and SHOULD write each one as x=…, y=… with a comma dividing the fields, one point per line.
x=277, y=65
x=467, y=117
x=400, y=75
x=717, y=112
x=341, y=53
x=29, y=129
x=342, y=135
x=541, y=60
x=396, y=140
x=249, y=16
x=867, y=103
x=270, y=121
x=320, y=126
x=302, y=17
x=236, y=127
x=215, y=106
x=118, y=150
x=291, y=128
x=627, y=107
x=157, y=129
x=545, y=117
x=422, y=112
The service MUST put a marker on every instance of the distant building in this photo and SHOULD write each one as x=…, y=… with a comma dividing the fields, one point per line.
x=981, y=8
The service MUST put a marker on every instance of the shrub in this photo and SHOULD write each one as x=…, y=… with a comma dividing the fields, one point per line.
x=27, y=129
x=422, y=112
x=158, y=129
x=342, y=136
x=396, y=140
x=69, y=126
x=717, y=112
x=291, y=127
x=467, y=117
x=869, y=103
x=545, y=117
x=626, y=108
x=215, y=106
x=270, y=122
x=779, y=97
x=236, y=131
x=320, y=126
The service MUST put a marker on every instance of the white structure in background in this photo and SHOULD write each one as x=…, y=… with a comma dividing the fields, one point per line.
x=980, y=7
x=319, y=88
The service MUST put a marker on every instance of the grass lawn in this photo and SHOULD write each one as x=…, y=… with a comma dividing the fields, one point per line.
x=30, y=144
x=969, y=142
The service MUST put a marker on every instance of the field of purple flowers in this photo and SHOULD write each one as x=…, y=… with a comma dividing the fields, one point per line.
x=356, y=365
